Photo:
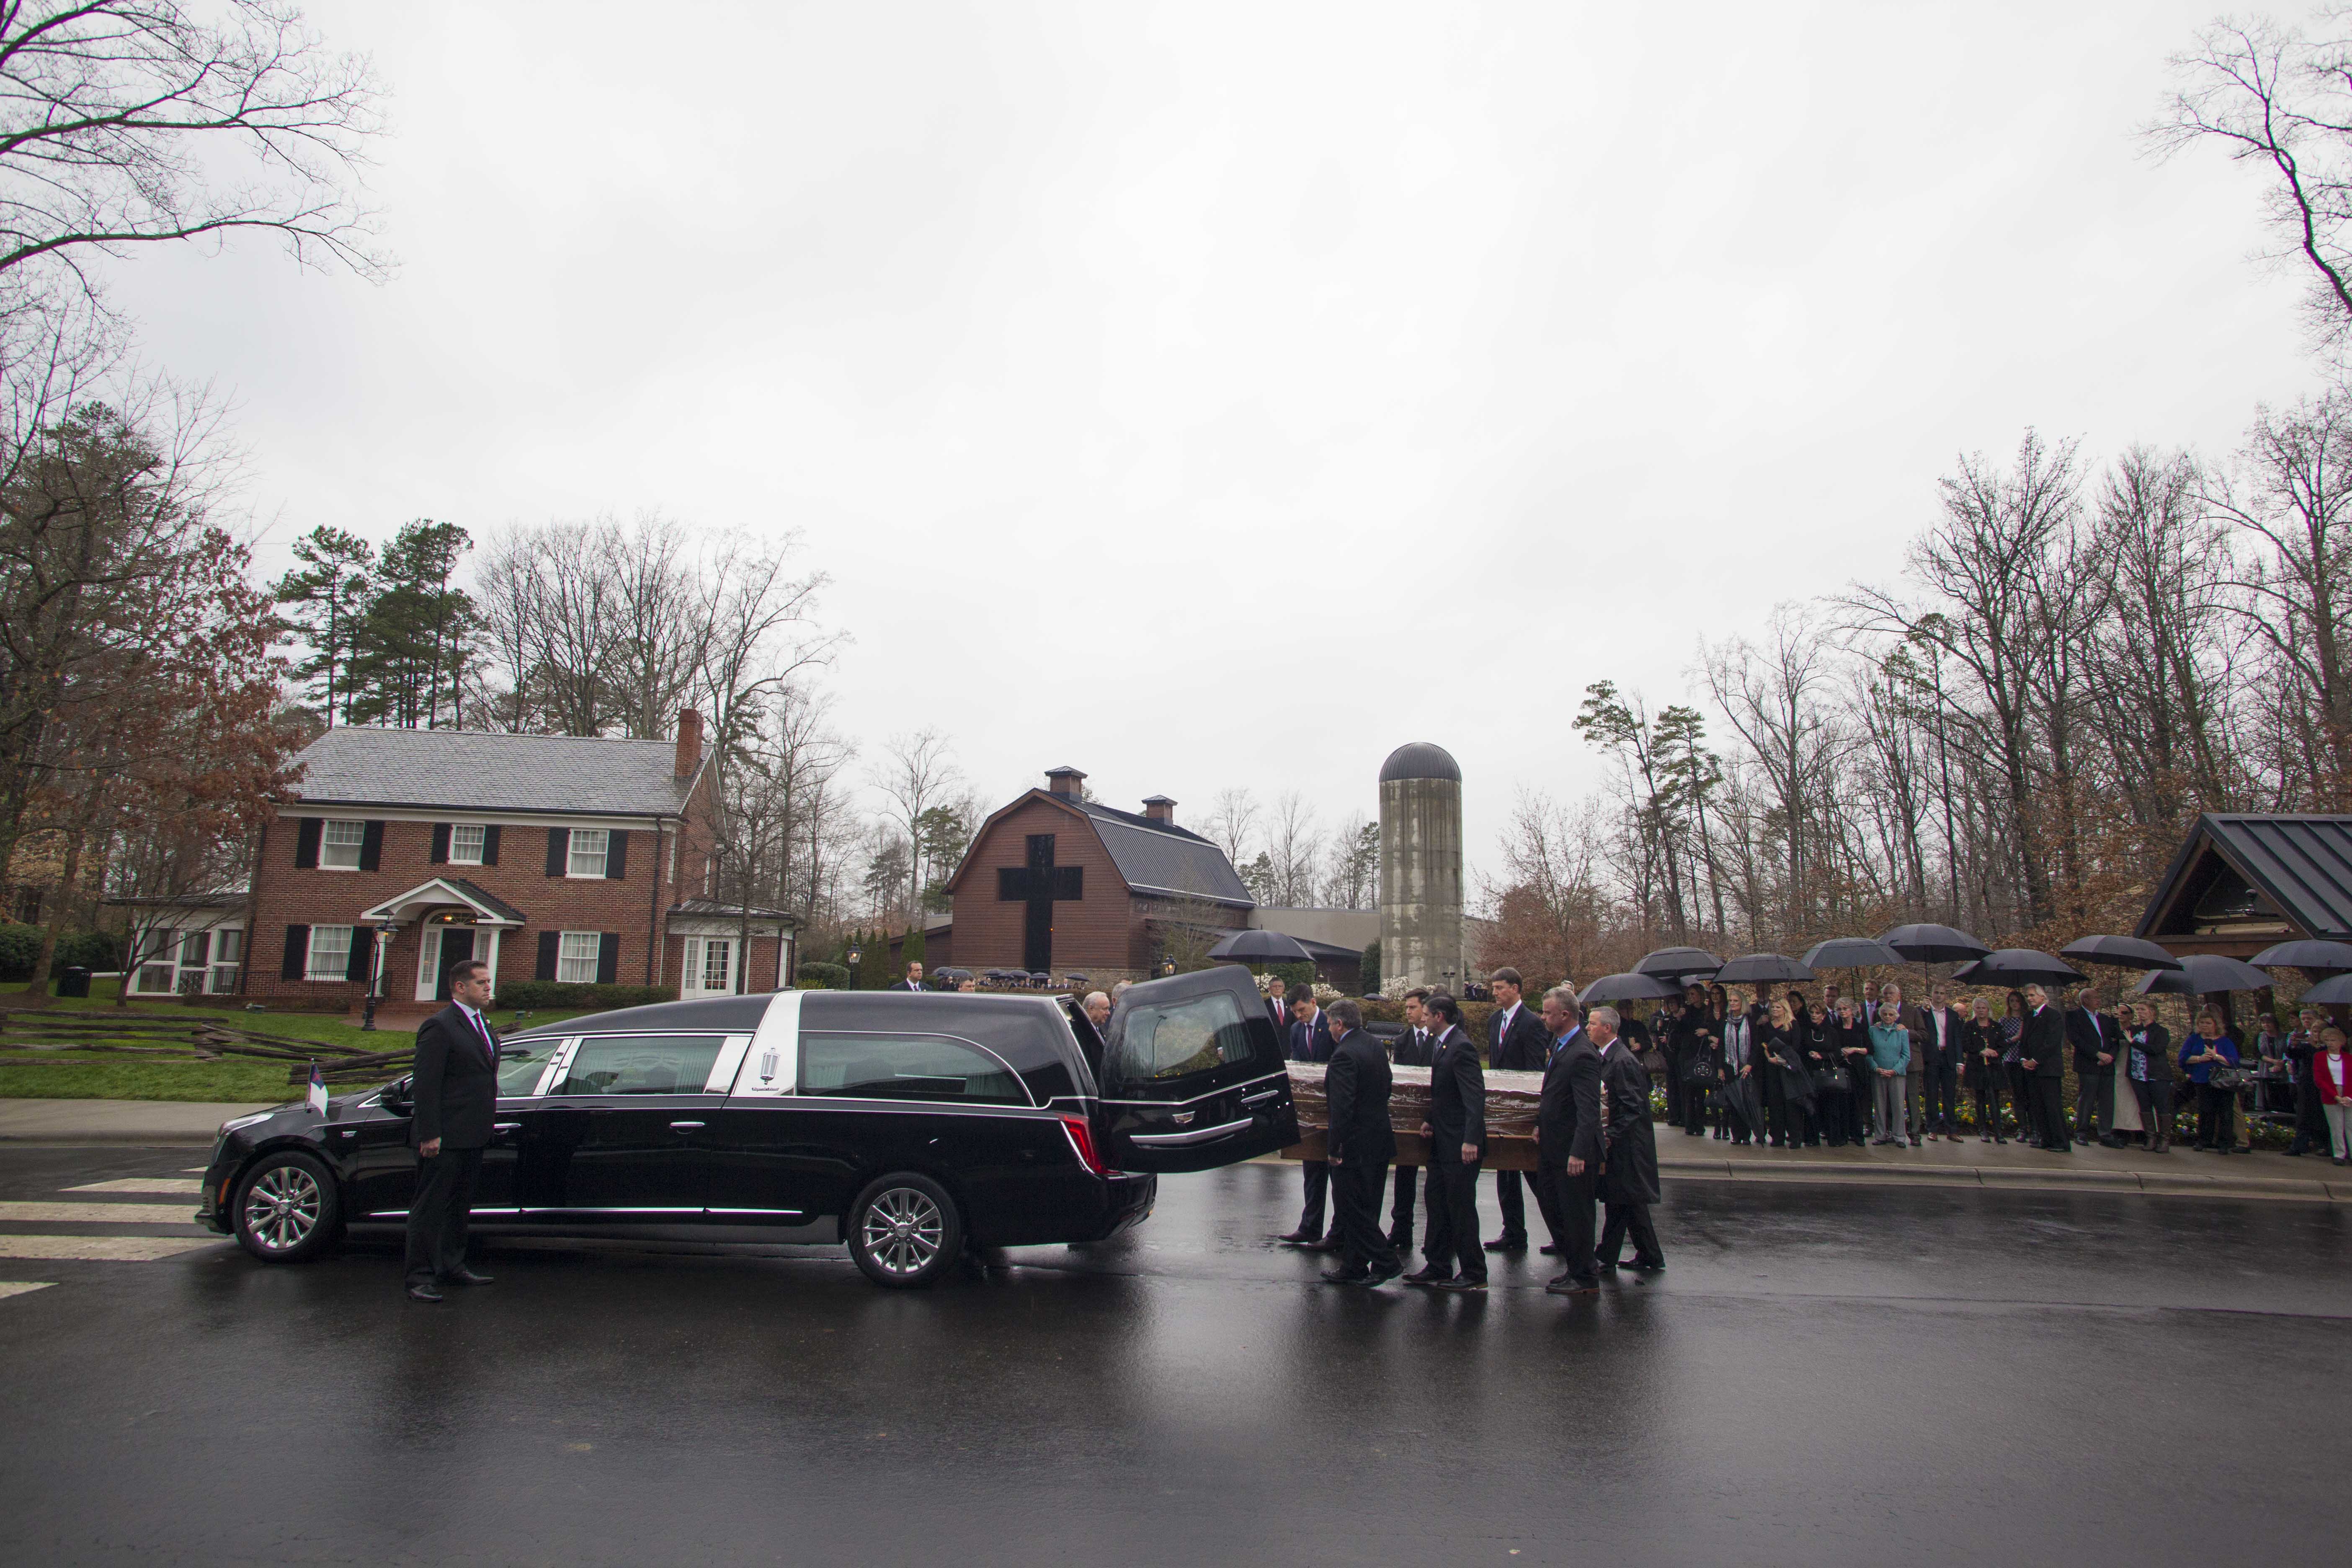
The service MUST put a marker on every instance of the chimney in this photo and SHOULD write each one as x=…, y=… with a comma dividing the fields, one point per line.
x=1159, y=808
x=689, y=742
x=1065, y=780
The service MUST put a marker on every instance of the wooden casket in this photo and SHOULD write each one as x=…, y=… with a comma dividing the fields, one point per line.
x=1511, y=1099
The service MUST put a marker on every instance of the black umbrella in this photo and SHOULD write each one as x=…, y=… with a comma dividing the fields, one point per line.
x=1261, y=947
x=2202, y=973
x=1850, y=952
x=1761, y=967
x=1627, y=988
x=2311, y=957
x=2018, y=967
x=1934, y=944
x=2334, y=992
x=1678, y=961
x=2122, y=952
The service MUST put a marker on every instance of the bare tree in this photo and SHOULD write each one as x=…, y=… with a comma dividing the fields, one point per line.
x=918, y=774
x=1232, y=823
x=1294, y=846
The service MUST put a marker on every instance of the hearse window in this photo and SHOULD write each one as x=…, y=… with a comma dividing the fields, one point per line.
x=521, y=1061
x=1172, y=1039
x=904, y=1067
x=641, y=1064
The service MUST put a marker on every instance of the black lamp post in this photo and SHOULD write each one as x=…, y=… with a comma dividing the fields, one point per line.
x=378, y=935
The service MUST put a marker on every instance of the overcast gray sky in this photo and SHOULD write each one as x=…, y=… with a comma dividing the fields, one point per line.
x=1208, y=394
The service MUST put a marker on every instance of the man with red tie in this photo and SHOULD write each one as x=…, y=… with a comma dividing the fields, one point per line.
x=456, y=1090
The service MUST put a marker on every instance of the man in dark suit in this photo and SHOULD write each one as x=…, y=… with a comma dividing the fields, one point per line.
x=1276, y=1006
x=1567, y=1142
x=1456, y=1130
x=1629, y=1183
x=1362, y=1145
x=1942, y=1037
x=2098, y=1041
x=1412, y=1051
x=456, y=1090
x=1311, y=1041
x=2043, y=1053
x=914, y=981
x=1516, y=1042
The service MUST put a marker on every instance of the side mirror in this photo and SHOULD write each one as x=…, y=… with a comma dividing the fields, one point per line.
x=398, y=1097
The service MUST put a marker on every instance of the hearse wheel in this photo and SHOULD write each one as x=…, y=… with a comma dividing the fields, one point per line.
x=904, y=1230
x=284, y=1208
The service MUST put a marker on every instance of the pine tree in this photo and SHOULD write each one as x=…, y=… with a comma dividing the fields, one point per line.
x=330, y=592
x=413, y=640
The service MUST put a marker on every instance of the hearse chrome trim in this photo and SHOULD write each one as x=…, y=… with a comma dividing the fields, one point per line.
x=791, y=1213
x=1198, y=1135
x=771, y=1059
x=1246, y=1083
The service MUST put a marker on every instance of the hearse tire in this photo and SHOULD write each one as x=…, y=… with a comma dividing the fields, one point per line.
x=285, y=1207
x=904, y=1231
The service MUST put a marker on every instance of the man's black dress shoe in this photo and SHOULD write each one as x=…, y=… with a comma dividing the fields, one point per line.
x=1648, y=1267
x=1296, y=1238
x=423, y=1293
x=465, y=1277
x=1548, y=1250
x=1342, y=1277
x=1328, y=1244
x=1508, y=1243
x=1607, y=1268
x=1427, y=1277
x=1382, y=1276
x=1458, y=1284
x=1564, y=1286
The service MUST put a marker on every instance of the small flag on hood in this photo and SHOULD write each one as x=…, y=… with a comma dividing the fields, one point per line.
x=317, y=1096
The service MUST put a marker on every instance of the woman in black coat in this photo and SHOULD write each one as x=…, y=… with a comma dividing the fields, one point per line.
x=1792, y=1106
x=2147, y=1066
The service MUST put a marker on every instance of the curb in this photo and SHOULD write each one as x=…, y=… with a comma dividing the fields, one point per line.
x=1822, y=1173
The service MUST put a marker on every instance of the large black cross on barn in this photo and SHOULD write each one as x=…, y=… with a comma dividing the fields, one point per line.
x=1040, y=884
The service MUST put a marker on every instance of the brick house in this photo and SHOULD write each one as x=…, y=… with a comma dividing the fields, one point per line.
x=548, y=856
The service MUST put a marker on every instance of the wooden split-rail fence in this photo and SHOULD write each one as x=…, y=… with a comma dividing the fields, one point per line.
x=194, y=1040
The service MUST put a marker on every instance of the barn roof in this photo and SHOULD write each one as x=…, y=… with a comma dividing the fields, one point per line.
x=1157, y=859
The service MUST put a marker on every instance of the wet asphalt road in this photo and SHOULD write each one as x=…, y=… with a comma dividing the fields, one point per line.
x=1822, y=1375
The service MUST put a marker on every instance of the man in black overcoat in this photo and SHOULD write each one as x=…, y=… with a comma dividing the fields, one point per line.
x=1567, y=1142
x=1361, y=1144
x=2098, y=1041
x=1456, y=1130
x=1311, y=1041
x=1516, y=1042
x=1629, y=1183
x=2043, y=1053
x=456, y=1088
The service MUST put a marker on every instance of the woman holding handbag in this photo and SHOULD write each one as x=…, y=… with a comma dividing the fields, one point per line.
x=2208, y=1052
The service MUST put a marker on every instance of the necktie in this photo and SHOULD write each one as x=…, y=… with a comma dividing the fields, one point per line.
x=484, y=1031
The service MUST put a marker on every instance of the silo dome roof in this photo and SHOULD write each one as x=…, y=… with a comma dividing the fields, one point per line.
x=1420, y=760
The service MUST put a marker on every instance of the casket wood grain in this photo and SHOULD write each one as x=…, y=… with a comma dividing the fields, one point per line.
x=1511, y=1099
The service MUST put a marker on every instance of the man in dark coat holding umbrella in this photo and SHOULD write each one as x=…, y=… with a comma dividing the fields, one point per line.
x=2043, y=1052
x=1629, y=1180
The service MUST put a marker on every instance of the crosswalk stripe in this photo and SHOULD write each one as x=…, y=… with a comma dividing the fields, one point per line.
x=101, y=1249
x=174, y=1185
x=196, y=1170
x=98, y=1213
x=19, y=1287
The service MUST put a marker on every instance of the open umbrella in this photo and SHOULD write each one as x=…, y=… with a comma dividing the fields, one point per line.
x=1934, y=944
x=2334, y=992
x=2311, y=957
x=1628, y=988
x=1678, y=961
x=1761, y=967
x=1261, y=947
x=2202, y=973
x=2019, y=966
x=1850, y=952
x=2122, y=952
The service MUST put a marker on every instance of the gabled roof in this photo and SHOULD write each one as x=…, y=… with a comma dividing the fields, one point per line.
x=486, y=905
x=2301, y=864
x=473, y=770
x=1157, y=859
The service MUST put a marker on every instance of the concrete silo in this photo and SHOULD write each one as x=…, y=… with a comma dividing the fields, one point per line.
x=1421, y=867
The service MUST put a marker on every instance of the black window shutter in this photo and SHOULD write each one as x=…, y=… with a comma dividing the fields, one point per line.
x=616, y=855
x=297, y=953
x=363, y=945
x=608, y=958
x=371, y=847
x=558, y=849
x=305, y=846
x=490, y=845
x=440, y=844
x=550, y=943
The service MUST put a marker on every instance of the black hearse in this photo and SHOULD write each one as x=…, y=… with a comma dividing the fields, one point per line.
x=907, y=1125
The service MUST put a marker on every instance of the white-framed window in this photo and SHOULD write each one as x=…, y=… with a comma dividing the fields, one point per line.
x=331, y=951
x=177, y=962
x=195, y=948
x=339, y=847
x=589, y=846
x=228, y=956
x=718, y=955
x=575, y=958
x=155, y=980
x=466, y=843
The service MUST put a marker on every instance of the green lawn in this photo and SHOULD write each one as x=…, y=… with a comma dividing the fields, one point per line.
x=76, y=1075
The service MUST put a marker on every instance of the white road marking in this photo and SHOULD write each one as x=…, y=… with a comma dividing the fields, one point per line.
x=98, y=1213
x=196, y=1170
x=174, y=1185
x=18, y=1287
x=101, y=1249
